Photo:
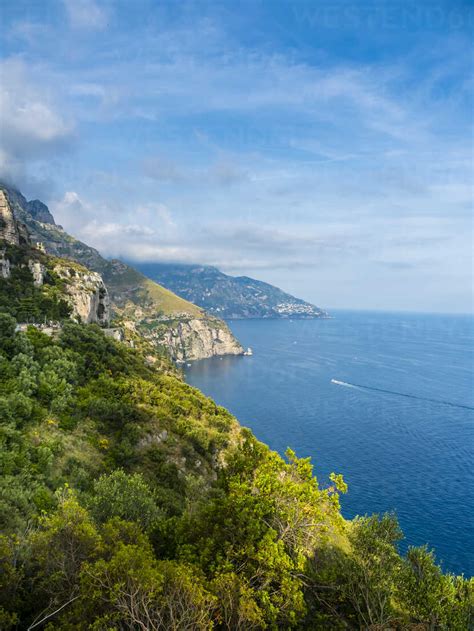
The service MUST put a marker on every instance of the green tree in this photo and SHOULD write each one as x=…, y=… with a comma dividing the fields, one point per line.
x=7, y=334
x=440, y=601
x=126, y=496
x=264, y=520
x=237, y=609
x=131, y=589
x=10, y=581
x=369, y=580
x=64, y=541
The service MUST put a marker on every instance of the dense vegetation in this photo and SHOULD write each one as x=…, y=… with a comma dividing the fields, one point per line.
x=20, y=297
x=128, y=500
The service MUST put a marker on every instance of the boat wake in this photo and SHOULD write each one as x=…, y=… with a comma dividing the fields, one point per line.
x=400, y=394
x=343, y=383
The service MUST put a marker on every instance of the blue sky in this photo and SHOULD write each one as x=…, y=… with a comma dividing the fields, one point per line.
x=323, y=147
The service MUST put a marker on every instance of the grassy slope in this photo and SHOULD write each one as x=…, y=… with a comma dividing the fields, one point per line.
x=128, y=286
x=168, y=301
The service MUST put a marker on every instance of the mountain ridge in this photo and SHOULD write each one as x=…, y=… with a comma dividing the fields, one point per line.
x=229, y=297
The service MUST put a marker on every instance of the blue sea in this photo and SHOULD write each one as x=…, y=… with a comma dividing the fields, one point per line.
x=385, y=399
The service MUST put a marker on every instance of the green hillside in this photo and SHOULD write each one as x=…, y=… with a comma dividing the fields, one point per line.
x=128, y=288
x=18, y=294
x=128, y=500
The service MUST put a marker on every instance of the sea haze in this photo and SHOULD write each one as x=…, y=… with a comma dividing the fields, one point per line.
x=398, y=425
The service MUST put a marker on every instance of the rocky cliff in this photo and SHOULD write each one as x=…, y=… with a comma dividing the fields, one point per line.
x=188, y=339
x=179, y=327
x=40, y=212
x=84, y=291
x=5, y=269
x=11, y=230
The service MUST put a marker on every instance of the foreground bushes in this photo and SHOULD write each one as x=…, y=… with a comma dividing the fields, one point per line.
x=128, y=500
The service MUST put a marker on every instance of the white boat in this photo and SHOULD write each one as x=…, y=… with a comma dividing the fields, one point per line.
x=248, y=352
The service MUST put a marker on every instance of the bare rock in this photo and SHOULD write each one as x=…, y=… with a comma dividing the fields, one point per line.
x=5, y=269
x=8, y=226
x=199, y=339
x=37, y=270
x=86, y=293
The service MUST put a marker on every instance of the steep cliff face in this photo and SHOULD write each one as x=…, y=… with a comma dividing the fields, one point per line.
x=192, y=339
x=11, y=231
x=86, y=293
x=40, y=212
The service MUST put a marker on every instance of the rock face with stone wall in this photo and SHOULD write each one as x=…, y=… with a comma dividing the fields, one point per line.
x=38, y=271
x=5, y=268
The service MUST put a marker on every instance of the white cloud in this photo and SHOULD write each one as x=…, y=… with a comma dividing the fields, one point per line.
x=86, y=14
x=32, y=125
x=111, y=228
x=33, y=120
x=200, y=150
x=96, y=230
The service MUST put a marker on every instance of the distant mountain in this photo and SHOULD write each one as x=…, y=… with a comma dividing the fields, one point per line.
x=230, y=297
